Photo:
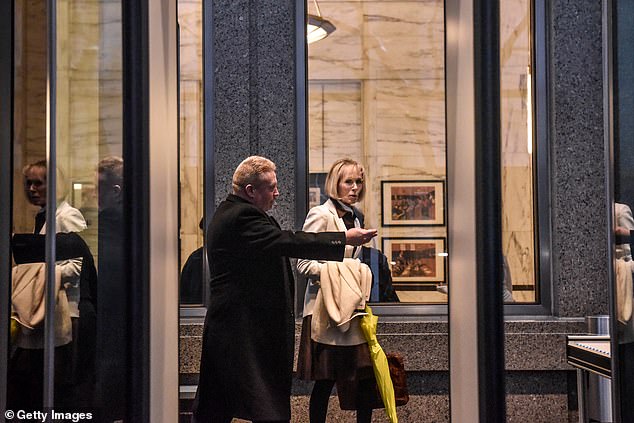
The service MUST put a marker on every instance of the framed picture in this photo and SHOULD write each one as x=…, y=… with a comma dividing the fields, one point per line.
x=416, y=261
x=316, y=192
x=412, y=203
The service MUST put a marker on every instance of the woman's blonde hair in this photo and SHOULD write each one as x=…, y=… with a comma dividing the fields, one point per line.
x=249, y=171
x=336, y=173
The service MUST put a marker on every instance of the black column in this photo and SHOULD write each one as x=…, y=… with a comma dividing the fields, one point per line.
x=6, y=182
x=136, y=156
x=490, y=308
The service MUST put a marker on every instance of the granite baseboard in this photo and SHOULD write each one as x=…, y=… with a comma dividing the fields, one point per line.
x=530, y=344
x=541, y=387
x=536, y=397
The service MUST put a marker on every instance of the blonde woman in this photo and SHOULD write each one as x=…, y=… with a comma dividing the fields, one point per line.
x=341, y=360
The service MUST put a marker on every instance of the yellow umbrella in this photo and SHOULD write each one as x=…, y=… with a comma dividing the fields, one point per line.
x=379, y=363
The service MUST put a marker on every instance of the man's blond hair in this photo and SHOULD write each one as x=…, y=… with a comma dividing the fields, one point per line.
x=250, y=171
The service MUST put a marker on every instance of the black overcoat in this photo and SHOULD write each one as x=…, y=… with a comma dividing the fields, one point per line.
x=248, y=340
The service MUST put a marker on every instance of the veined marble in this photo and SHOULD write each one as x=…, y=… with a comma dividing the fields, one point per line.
x=394, y=51
x=191, y=172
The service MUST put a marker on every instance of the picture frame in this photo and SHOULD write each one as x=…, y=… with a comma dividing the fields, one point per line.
x=413, y=203
x=316, y=189
x=416, y=261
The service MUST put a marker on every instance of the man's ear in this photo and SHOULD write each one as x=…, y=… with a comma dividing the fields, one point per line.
x=117, y=191
x=250, y=190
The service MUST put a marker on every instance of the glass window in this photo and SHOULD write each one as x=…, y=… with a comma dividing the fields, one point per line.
x=518, y=173
x=91, y=328
x=376, y=94
x=192, y=262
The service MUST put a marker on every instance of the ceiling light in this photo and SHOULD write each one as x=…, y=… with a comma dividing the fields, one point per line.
x=318, y=28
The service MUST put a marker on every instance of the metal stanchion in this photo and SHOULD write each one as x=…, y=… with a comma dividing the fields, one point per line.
x=598, y=389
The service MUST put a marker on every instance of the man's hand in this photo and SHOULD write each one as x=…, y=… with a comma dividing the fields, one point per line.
x=358, y=236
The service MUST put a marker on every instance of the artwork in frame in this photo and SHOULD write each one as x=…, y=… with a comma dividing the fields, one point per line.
x=416, y=262
x=316, y=192
x=413, y=203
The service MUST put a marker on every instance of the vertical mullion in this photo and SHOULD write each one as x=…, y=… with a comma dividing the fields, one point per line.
x=490, y=307
x=51, y=205
x=301, y=120
x=136, y=154
x=6, y=182
x=209, y=179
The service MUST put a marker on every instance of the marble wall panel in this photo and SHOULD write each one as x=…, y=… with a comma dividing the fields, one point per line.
x=381, y=40
x=518, y=246
x=404, y=40
x=191, y=125
x=190, y=120
x=84, y=121
x=191, y=205
x=518, y=241
x=316, y=161
x=409, y=135
x=514, y=119
x=514, y=32
x=29, y=101
x=111, y=117
x=517, y=173
x=84, y=34
x=110, y=52
x=517, y=193
x=335, y=124
x=190, y=22
x=341, y=55
x=343, y=119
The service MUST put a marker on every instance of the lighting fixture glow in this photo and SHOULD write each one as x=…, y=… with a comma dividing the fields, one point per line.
x=443, y=254
x=318, y=28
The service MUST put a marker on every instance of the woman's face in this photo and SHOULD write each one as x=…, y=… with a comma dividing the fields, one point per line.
x=35, y=185
x=350, y=185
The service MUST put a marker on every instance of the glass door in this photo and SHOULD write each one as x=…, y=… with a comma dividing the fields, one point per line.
x=619, y=101
x=69, y=239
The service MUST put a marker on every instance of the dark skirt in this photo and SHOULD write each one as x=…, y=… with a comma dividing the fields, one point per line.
x=346, y=365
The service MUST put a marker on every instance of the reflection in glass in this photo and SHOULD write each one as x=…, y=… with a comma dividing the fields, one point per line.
x=90, y=370
x=191, y=152
x=621, y=102
x=516, y=113
x=75, y=287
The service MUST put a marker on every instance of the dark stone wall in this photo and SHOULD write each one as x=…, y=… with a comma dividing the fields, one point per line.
x=254, y=93
x=578, y=175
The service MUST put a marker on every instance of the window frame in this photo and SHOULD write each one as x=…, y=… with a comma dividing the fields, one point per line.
x=541, y=166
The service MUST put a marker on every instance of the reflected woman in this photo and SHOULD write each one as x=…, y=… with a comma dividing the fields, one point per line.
x=346, y=362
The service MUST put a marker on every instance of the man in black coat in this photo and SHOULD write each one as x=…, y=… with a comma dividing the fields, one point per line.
x=248, y=340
